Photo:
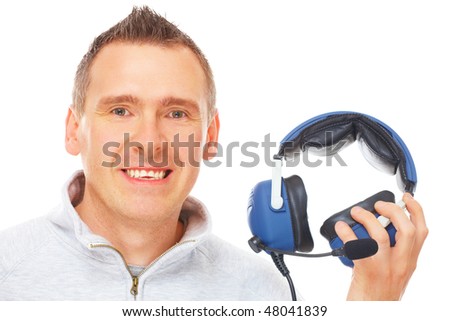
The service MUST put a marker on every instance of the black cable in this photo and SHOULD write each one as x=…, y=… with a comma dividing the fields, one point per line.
x=291, y=286
x=279, y=263
x=313, y=255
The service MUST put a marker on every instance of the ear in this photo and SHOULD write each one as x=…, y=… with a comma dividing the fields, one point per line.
x=72, y=125
x=212, y=137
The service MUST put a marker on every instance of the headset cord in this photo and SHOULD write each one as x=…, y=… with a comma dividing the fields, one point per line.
x=279, y=262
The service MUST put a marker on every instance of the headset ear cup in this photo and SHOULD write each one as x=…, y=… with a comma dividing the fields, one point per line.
x=298, y=200
x=328, y=231
x=272, y=227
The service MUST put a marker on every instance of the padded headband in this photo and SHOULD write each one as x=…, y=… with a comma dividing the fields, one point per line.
x=381, y=146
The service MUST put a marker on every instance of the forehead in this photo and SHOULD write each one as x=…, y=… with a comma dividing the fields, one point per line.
x=146, y=69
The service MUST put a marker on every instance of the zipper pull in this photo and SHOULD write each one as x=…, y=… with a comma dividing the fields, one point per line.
x=134, y=286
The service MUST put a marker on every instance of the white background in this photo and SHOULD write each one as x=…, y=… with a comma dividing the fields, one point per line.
x=276, y=64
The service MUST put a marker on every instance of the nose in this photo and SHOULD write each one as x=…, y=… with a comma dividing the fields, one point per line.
x=145, y=145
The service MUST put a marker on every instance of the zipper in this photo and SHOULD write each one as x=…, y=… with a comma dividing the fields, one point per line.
x=134, y=287
x=135, y=278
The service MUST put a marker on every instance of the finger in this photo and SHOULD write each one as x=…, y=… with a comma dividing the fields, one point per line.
x=344, y=232
x=371, y=224
x=397, y=216
x=376, y=232
x=418, y=219
x=406, y=231
x=417, y=216
x=393, y=212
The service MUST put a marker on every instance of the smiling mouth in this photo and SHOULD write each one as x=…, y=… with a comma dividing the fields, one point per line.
x=150, y=175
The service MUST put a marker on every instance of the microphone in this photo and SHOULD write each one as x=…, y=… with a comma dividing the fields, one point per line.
x=357, y=249
x=353, y=250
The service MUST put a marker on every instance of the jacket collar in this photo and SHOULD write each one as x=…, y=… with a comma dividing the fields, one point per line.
x=77, y=234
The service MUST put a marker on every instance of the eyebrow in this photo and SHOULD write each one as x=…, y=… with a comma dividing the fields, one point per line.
x=111, y=100
x=170, y=101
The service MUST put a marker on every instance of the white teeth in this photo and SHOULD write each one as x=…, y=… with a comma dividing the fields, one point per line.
x=143, y=174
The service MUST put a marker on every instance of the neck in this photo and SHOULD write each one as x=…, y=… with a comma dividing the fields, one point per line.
x=140, y=241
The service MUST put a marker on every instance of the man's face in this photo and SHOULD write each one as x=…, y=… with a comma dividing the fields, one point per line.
x=143, y=129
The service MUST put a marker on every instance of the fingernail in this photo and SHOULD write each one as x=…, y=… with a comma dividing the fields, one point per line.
x=408, y=196
x=356, y=209
x=380, y=204
x=340, y=225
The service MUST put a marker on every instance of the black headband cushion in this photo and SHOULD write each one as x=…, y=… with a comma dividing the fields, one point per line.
x=382, y=148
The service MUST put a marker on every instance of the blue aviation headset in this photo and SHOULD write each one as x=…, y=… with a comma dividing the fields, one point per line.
x=277, y=209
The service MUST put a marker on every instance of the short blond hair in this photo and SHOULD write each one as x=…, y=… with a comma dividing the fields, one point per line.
x=142, y=25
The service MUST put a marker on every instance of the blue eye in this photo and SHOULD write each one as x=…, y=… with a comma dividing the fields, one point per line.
x=119, y=111
x=177, y=114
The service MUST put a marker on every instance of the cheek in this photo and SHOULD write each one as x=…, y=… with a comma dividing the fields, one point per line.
x=188, y=146
x=99, y=147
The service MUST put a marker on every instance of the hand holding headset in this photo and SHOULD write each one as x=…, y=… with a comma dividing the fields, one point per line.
x=277, y=209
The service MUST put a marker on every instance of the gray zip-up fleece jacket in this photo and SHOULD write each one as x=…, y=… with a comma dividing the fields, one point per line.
x=57, y=257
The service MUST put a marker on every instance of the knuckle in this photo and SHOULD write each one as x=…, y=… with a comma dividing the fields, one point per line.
x=382, y=239
x=409, y=231
x=422, y=232
x=403, y=269
x=402, y=272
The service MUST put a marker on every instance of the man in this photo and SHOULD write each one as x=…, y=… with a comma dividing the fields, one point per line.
x=143, y=108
